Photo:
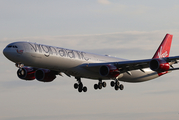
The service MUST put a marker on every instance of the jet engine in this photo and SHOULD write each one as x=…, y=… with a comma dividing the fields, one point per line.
x=159, y=65
x=26, y=73
x=45, y=75
x=109, y=71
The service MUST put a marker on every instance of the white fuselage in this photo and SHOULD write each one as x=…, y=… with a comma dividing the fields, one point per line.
x=68, y=61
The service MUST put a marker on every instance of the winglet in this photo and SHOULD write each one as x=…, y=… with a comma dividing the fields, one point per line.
x=164, y=48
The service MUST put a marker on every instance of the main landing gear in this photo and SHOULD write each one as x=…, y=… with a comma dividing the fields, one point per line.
x=100, y=85
x=117, y=85
x=80, y=86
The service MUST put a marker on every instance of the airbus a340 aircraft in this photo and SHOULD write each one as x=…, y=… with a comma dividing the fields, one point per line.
x=44, y=63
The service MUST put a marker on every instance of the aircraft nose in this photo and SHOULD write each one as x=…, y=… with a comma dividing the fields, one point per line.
x=8, y=53
x=5, y=52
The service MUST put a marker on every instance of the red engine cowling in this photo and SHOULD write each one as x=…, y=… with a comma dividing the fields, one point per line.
x=109, y=71
x=26, y=73
x=45, y=75
x=159, y=65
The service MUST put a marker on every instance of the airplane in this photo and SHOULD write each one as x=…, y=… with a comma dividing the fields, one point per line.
x=44, y=63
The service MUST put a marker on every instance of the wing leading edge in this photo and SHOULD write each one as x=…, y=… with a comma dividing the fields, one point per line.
x=126, y=66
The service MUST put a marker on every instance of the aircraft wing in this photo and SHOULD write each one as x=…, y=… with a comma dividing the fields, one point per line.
x=124, y=66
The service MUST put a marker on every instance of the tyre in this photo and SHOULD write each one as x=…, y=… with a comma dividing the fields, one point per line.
x=112, y=83
x=80, y=89
x=104, y=84
x=100, y=85
x=76, y=85
x=117, y=83
x=116, y=87
x=121, y=87
x=84, y=89
x=95, y=86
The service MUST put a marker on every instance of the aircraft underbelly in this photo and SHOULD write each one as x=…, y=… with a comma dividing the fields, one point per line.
x=139, y=76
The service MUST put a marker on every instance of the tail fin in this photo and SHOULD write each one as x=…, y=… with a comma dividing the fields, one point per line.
x=164, y=48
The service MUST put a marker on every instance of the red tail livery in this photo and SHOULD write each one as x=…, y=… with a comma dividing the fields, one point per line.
x=164, y=48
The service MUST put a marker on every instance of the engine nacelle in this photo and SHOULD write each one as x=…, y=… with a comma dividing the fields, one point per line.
x=26, y=73
x=109, y=71
x=159, y=65
x=45, y=75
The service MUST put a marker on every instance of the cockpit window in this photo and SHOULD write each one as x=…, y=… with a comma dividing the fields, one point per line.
x=10, y=46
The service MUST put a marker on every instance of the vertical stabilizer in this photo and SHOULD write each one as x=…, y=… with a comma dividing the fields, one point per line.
x=164, y=48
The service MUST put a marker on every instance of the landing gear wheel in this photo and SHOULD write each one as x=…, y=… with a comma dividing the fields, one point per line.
x=80, y=85
x=100, y=85
x=80, y=89
x=117, y=83
x=76, y=85
x=121, y=86
x=112, y=83
x=116, y=87
x=84, y=89
x=104, y=84
x=96, y=86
